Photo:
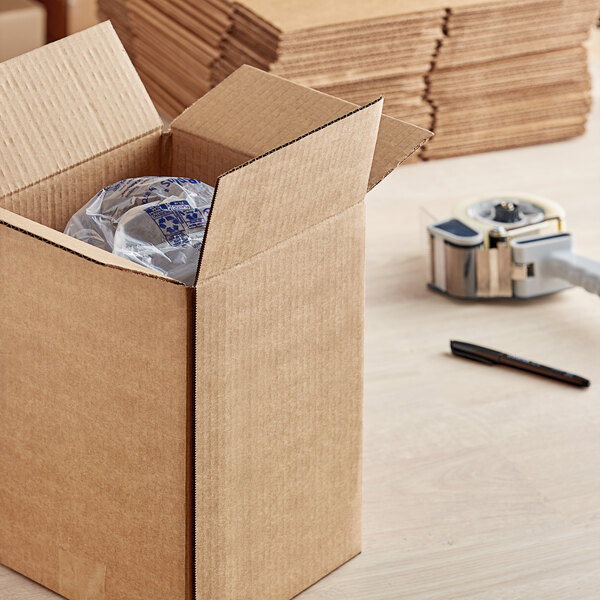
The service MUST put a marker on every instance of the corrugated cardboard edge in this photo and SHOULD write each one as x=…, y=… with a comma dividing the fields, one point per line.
x=190, y=534
x=385, y=160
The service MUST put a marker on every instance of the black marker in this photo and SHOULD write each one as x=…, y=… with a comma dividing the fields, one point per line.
x=493, y=357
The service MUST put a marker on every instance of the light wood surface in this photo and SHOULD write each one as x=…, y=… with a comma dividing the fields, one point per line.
x=479, y=482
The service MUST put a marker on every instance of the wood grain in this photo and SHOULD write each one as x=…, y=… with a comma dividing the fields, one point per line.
x=479, y=483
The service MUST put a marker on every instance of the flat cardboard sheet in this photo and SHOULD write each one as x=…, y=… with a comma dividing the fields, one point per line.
x=299, y=15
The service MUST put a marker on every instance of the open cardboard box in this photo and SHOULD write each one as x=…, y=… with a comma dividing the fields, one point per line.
x=159, y=441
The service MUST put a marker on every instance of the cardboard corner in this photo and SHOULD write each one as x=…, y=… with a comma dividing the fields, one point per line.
x=397, y=140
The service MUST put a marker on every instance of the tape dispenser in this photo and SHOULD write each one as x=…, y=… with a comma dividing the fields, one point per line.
x=507, y=246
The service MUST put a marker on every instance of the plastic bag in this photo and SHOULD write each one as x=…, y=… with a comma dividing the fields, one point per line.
x=157, y=222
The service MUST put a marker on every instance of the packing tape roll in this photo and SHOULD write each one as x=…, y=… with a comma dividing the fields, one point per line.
x=461, y=210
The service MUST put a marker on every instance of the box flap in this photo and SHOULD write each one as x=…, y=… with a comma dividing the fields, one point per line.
x=252, y=112
x=288, y=190
x=74, y=246
x=68, y=102
x=397, y=140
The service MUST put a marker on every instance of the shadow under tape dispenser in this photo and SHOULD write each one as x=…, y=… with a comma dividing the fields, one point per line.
x=507, y=246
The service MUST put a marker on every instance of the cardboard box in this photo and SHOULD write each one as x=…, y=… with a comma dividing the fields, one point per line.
x=165, y=442
x=22, y=27
x=66, y=17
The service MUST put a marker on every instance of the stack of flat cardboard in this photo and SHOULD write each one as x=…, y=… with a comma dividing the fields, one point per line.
x=174, y=44
x=365, y=50
x=510, y=73
x=482, y=74
x=117, y=11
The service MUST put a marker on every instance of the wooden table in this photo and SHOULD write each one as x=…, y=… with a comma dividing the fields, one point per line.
x=479, y=482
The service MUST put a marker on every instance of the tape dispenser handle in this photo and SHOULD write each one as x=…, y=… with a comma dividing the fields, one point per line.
x=577, y=270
